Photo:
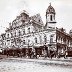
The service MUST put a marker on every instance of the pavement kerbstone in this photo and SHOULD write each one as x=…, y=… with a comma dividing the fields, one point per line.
x=66, y=62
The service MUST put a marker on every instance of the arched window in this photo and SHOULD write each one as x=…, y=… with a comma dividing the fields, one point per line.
x=35, y=40
x=23, y=41
x=39, y=20
x=51, y=39
x=51, y=17
x=28, y=30
x=8, y=35
x=23, y=31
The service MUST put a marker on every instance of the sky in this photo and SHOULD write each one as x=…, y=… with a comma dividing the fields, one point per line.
x=9, y=9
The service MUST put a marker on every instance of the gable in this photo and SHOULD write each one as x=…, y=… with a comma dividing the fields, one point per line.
x=37, y=18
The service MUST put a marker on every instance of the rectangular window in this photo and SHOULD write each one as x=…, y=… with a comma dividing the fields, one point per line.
x=19, y=33
x=7, y=35
x=11, y=35
x=51, y=17
x=23, y=31
x=35, y=40
x=23, y=41
x=51, y=39
x=15, y=34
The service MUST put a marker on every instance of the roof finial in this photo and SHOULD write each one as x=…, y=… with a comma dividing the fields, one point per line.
x=50, y=3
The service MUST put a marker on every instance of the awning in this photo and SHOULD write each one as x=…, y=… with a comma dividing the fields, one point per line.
x=38, y=46
x=60, y=44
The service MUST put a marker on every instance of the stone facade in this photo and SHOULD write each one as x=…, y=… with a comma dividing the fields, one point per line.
x=63, y=40
x=30, y=32
x=25, y=30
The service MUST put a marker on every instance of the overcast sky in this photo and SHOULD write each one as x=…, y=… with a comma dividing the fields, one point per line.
x=9, y=9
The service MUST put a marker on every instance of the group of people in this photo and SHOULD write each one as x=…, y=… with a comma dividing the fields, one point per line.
x=49, y=54
x=32, y=54
x=21, y=54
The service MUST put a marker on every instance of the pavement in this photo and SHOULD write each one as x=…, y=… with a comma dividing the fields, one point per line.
x=41, y=60
x=32, y=65
x=3, y=56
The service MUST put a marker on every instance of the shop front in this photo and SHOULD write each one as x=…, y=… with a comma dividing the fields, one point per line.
x=61, y=48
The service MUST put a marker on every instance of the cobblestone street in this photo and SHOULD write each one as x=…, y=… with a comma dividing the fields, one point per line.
x=17, y=65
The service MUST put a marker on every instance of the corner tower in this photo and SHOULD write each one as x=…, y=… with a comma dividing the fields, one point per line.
x=50, y=17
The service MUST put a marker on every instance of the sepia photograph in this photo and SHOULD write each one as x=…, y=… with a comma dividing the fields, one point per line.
x=35, y=35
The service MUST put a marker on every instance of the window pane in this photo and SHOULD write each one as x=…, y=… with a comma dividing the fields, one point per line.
x=51, y=17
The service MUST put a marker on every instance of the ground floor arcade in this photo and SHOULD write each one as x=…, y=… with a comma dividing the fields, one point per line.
x=45, y=50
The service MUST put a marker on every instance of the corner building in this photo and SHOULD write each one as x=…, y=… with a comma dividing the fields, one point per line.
x=30, y=33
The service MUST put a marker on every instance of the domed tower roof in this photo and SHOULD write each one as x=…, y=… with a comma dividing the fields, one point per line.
x=50, y=10
x=24, y=12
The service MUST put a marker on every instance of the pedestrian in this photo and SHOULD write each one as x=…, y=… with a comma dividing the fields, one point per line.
x=13, y=54
x=51, y=55
x=65, y=55
x=21, y=54
x=18, y=54
x=58, y=55
x=7, y=54
x=30, y=54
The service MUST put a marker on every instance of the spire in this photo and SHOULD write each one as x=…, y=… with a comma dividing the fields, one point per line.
x=50, y=17
x=50, y=3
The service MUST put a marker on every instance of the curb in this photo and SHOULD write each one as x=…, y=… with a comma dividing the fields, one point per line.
x=40, y=61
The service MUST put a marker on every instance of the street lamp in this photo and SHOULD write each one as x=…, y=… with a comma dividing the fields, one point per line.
x=28, y=43
x=33, y=47
x=28, y=48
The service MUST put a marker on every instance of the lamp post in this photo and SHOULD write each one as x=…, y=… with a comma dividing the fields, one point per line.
x=28, y=43
x=33, y=47
x=28, y=49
